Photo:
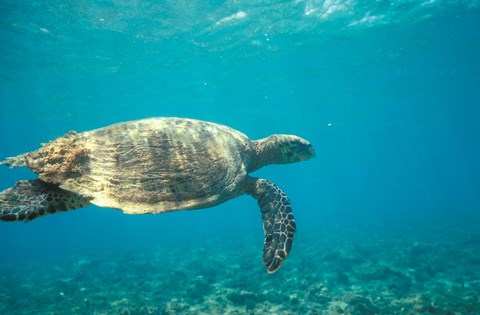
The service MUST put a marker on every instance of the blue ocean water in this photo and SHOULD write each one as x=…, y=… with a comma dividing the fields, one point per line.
x=388, y=213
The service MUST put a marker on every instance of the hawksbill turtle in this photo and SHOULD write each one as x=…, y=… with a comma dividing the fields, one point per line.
x=158, y=165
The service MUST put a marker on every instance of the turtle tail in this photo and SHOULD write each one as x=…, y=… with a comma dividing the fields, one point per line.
x=29, y=199
x=15, y=161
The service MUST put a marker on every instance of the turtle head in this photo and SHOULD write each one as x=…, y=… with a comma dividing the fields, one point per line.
x=281, y=149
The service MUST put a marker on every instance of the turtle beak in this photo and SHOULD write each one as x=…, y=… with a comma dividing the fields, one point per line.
x=307, y=151
x=311, y=151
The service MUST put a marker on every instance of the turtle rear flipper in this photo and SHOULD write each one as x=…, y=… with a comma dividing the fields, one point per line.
x=29, y=199
x=278, y=222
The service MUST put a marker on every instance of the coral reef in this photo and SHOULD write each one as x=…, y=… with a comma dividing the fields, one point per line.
x=332, y=272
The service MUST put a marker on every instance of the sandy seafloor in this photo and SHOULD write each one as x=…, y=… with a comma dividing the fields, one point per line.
x=366, y=270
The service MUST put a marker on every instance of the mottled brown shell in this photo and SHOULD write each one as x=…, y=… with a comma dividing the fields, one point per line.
x=155, y=165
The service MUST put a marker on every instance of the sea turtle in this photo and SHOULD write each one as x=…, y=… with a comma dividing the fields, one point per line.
x=158, y=165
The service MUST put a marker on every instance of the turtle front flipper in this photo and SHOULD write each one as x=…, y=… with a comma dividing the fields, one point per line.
x=29, y=199
x=278, y=222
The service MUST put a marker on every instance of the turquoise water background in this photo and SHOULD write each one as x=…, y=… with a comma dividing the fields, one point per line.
x=388, y=92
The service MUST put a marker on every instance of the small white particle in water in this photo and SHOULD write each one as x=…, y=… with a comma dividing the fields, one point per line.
x=329, y=125
x=101, y=19
x=44, y=30
x=205, y=83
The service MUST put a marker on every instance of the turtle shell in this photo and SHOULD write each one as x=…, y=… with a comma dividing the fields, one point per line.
x=160, y=164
